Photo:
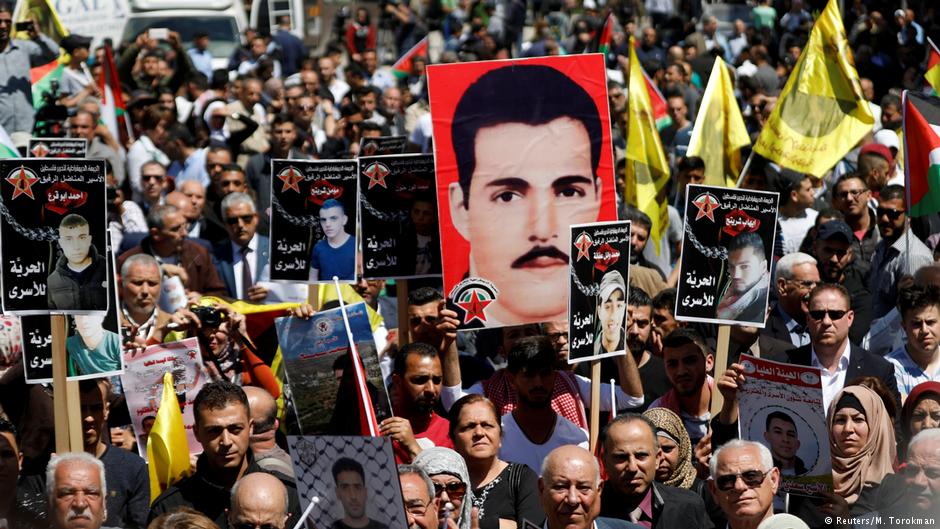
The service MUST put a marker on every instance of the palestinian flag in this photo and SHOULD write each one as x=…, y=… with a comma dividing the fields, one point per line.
x=113, y=109
x=658, y=102
x=7, y=149
x=604, y=43
x=922, y=153
x=932, y=75
x=402, y=67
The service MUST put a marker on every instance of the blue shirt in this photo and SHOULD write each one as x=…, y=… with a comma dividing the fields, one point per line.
x=192, y=168
x=202, y=61
x=339, y=262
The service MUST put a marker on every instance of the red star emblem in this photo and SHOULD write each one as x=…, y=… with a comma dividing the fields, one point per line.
x=474, y=307
x=22, y=180
x=40, y=150
x=706, y=204
x=583, y=244
x=291, y=177
x=376, y=173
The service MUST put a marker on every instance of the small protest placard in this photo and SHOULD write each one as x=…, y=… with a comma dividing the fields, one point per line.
x=727, y=247
x=57, y=147
x=781, y=407
x=53, y=227
x=600, y=279
x=144, y=376
x=382, y=145
x=313, y=220
x=400, y=234
x=316, y=358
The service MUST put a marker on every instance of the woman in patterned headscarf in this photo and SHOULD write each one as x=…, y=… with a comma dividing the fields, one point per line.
x=451, y=482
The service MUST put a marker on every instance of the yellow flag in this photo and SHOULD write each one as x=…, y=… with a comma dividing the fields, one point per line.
x=167, y=449
x=719, y=132
x=49, y=22
x=647, y=171
x=821, y=113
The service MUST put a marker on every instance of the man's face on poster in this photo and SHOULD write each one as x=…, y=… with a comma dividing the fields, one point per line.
x=352, y=493
x=529, y=184
x=746, y=267
x=783, y=440
x=610, y=313
x=424, y=217
x=75, y=242
x=333, y=222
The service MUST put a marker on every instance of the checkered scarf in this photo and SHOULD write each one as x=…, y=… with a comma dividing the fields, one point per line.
x=566, y=399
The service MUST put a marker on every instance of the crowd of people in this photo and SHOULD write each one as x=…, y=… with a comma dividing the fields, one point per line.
x=490, y=427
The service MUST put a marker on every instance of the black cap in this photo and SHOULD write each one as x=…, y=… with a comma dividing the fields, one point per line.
x=70, y=43
x=836, y=228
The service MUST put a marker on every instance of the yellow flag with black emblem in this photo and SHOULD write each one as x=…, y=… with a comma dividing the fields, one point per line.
x=647, y=171
x=821, y=113
x=719, y=133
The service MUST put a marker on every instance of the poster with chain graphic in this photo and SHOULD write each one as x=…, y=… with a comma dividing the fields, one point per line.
x=52, y=228
x=597, y=296
x=727, y=247
x=313, y=220
x=400, y=235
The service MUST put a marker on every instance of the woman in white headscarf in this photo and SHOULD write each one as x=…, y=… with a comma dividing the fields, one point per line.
x=451, y=482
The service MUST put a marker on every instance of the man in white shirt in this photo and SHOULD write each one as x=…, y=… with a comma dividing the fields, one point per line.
x=796, y=214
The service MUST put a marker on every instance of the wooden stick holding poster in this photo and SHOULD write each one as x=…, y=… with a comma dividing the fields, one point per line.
x=595, y=419
x=721, y=365
x=68, y=428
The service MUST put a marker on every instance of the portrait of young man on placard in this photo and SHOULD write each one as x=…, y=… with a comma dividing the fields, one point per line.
x=523, y=151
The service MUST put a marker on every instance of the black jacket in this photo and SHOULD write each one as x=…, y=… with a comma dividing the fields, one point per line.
x=672, y=507
x=85, y=290
x=200, y=493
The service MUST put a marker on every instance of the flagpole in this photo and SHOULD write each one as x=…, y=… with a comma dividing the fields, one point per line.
x=356, y=363
x=747, y=165
x=303, y=517
x=613, y=396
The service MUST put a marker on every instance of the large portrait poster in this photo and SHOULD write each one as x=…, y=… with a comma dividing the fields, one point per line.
x=727, y=248
x=354, y=480
x=600, y=279
x=318, y=366
x=313, y=220
x=143, y=386
x=781, y=407
x=400, y=236
x=53, y=226
x=523, y=151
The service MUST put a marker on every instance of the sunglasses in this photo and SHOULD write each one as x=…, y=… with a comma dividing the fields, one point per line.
x=893, y=214
x=834, y=315
x=146, y=177
x=430, y=320
x=854, y=193
x=751, y=478
x=233, y=221
x=455, y=489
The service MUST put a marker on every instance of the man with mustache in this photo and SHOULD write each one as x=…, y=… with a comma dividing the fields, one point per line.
x=416, y=389
x=76, y=492
x=527, y=164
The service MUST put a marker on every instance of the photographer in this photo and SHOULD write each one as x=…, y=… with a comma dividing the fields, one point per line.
x=16, y=58
x=139, y=65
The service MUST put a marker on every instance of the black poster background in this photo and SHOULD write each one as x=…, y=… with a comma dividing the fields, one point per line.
x=713, y=216
x=382, y=146
x=596, y=249
x=35, y=195
x=58, y=147
x=389, y=187
x=37, y=333
x=299, y=188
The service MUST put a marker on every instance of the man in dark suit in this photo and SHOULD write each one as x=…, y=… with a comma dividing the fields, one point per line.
x=241, y=259
x=829, y=318
x=570, y=491
x=630, y=492
x=796, y=276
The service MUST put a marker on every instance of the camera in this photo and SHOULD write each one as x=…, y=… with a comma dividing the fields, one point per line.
x=26, y=25
x=209, y=316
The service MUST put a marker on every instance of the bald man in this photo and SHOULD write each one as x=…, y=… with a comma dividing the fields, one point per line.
x=186, y=207
x=570, y=491
x=258, y=500
x=263, y=410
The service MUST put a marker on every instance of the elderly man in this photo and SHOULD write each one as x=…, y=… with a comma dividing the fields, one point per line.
x=241, y=259
x=795, y=276
x=744, y=481
x=570, y=491
x=417, y=491
x=259, y=500
x=140, y=313
x=923, y=471
x=76, y=489
x=630, y=457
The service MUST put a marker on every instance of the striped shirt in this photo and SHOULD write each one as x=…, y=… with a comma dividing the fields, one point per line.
x=907, y=372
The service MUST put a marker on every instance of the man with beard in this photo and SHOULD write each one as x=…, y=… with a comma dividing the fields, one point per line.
x=533, y=429
x=838, y=263
x=416, y=388
x=664, y=319
x=283, y=137
x=745, y=296
x=851, y=196
x=688, y=361
x=639, y=330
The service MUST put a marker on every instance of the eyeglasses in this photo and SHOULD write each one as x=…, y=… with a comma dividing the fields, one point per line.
x=254, y=526
x=751, y=478
x=893, y=214
x=6, y=22
x=455, y=489
x=854, y=193
x=233, y=221
x=417, y=320
x=834, y=315
x=558, y=336
x=306, y=107
x=417, y=507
